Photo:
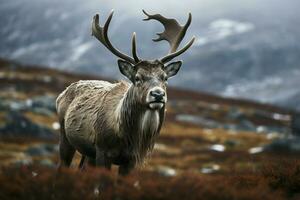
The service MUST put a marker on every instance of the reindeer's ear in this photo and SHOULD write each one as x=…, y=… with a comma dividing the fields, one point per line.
x=172, y=68
x=127, y=69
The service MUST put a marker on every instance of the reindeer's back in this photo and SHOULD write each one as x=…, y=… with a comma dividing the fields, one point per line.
x=77, y=90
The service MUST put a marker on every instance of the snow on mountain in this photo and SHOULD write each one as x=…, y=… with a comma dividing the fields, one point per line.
x=244, y=49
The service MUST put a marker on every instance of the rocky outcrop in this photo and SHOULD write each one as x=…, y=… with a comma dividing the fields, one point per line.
x=17, y=125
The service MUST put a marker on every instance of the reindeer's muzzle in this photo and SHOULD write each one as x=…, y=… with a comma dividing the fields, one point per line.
x=158, y=95
x=156, y=98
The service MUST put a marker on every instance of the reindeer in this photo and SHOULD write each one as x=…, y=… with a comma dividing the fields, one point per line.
x=117, y=123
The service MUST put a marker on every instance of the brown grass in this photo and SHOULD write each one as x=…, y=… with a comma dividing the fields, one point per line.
x=275, y=181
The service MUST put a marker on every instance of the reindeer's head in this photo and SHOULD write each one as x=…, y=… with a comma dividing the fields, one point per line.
x=149, y=78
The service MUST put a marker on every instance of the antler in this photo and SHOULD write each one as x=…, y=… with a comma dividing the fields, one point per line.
x=173, y=33
x=101, y=34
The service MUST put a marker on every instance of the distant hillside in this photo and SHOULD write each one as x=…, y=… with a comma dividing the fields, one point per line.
x=61, y=79
x=21, y=84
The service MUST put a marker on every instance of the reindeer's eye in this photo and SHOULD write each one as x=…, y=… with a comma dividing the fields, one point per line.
x=137, y=80
x=164, y=78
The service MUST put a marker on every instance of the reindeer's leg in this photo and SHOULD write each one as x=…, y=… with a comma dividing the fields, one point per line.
x=102, y=160
x=81, y=164
x=126, y=168
x=66, y=150
x=92, y=161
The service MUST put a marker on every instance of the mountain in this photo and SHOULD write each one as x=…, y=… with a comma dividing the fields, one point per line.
x=244, y=49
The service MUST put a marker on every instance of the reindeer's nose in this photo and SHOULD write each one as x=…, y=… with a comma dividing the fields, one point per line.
x=157, y=94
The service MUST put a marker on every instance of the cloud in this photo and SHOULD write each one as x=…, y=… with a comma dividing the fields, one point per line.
x=223, y=28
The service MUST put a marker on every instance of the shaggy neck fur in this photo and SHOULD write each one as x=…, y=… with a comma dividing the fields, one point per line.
x=138, y=125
